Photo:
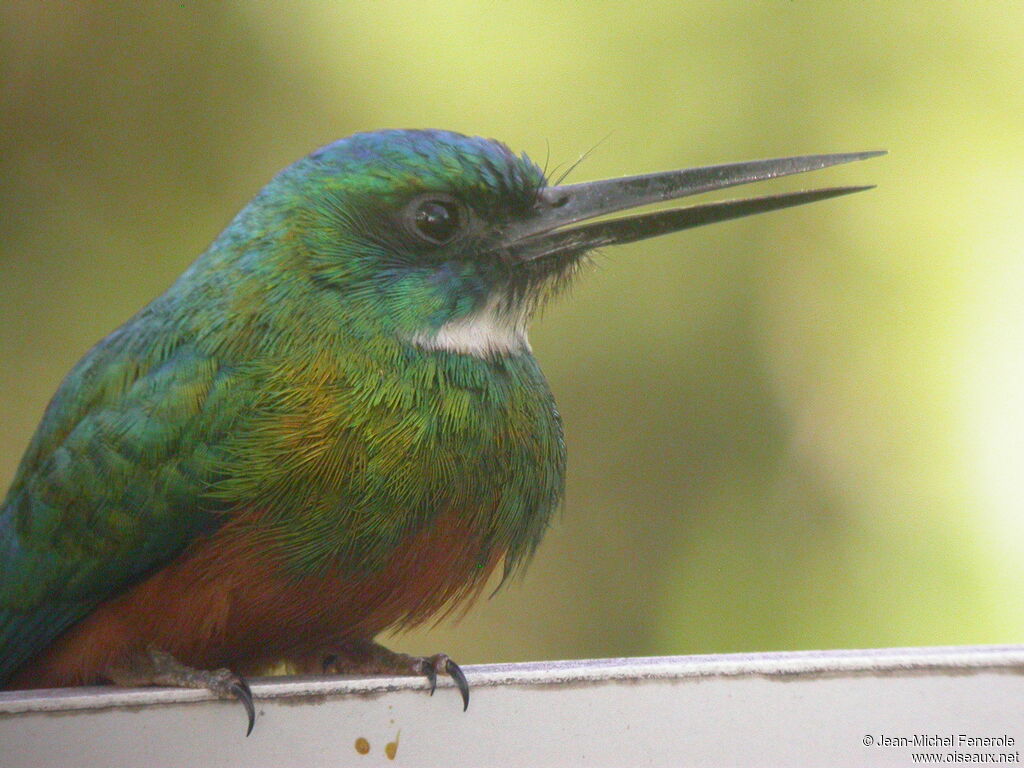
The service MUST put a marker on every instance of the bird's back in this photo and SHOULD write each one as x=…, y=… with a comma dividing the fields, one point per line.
x=109, y=485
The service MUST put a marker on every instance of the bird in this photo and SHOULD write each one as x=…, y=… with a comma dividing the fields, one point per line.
x=330, y=425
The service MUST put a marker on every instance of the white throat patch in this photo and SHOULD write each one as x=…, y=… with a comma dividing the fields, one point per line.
x=488, y=331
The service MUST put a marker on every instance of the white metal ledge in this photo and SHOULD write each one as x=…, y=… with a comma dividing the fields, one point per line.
x=858, y=708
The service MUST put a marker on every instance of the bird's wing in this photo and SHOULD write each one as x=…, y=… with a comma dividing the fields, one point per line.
x=109, y=488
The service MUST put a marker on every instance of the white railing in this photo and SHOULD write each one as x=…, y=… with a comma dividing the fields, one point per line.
x=828, y=708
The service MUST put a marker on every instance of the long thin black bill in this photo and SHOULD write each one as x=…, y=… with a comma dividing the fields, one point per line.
x=570, y=203
x=629, y=229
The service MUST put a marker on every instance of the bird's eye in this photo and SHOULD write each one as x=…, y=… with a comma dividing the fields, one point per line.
x=437, y=219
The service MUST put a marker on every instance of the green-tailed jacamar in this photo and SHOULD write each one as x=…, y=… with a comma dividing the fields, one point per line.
x=331, y=424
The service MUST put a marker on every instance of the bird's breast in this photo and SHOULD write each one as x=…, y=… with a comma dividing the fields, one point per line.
x=358, y=501
x=347, y=464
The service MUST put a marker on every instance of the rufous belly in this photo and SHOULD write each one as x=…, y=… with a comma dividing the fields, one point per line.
x=226, y=601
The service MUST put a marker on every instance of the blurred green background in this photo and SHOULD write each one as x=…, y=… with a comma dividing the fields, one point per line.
x=800, y=430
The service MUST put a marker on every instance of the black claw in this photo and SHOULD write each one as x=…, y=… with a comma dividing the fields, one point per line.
x=455, y=671
x=241, y=691
x=431, y=673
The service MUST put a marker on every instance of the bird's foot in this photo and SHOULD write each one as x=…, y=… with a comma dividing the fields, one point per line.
x=365, y=657
x=155, y=667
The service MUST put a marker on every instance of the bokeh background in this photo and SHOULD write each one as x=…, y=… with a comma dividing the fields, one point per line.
x=801, y=430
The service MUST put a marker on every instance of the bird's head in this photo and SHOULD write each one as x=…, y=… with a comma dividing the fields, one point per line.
x=451, y=242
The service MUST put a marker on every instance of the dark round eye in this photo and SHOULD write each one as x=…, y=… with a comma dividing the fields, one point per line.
x=437, y=220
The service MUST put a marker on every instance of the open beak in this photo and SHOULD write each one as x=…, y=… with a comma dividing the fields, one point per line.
x=549, y=232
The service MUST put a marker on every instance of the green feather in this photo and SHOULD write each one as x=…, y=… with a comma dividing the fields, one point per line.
x=278, y=374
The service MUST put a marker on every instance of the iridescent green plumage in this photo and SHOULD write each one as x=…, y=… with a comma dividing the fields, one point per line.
x=332, y=423
x=277, y=374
